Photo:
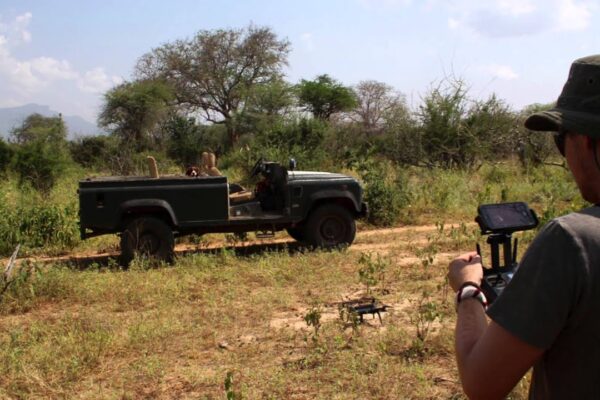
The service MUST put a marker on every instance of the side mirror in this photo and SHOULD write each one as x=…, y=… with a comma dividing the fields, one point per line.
x=292, y=165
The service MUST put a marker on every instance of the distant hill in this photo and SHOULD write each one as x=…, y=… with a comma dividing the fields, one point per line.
x=11, y=117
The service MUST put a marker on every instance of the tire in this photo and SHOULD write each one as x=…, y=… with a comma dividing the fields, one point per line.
x=329, y=226
x=297, y=233
x=147, y=236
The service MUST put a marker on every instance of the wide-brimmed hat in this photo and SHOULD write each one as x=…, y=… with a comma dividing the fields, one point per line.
x=578, y=106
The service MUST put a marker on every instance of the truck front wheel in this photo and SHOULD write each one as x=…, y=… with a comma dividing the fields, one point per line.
x=330, y=225
x=149, y=237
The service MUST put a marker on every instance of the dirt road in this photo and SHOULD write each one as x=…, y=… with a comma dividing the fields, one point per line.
x=370, y=240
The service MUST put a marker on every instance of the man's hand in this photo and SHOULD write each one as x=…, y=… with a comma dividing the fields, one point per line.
x=465, y=268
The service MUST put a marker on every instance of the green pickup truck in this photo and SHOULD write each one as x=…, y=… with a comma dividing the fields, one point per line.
x=316, y=208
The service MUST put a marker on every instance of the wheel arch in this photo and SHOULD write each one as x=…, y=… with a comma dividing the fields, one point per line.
x=345, y=201
x=157, y=208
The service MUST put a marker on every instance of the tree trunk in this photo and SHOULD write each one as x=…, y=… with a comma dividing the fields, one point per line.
x=232, y=132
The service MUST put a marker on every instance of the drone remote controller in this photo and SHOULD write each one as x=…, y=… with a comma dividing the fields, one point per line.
x=499, y=222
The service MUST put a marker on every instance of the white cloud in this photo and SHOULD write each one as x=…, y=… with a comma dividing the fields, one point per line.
x=503, y=72
x=17, y=31
x=50, y=69
x=97, y=81
x=505, y=18
x=20, y=27
x=573, y=16
x=25, y=77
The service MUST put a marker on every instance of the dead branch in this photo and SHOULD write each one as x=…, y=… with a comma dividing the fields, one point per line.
x=8, y=270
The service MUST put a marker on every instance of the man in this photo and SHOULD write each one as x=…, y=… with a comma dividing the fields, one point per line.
x=548, y=317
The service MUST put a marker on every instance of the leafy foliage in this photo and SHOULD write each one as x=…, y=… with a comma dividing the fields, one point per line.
x=6, y=154
x=325, y=96
x=133, y=111
x=41, y=155
x=215, y=72
x=372, y=271
x=186, y=139
x=37, y=226
x=458, y=132
x=94, y=152
x=385, y=193
x=533, y=148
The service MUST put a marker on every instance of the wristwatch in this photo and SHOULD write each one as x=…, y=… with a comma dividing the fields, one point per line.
x=471, y=290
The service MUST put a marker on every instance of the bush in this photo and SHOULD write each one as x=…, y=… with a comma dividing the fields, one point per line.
x=37, y=226
x=299, y=139
x=186, y=140
x=39, y=165
x=6, y=154
x=459, y=132
x=286, y=135
x=41, y=153
x=94, y=151
x=386, y=193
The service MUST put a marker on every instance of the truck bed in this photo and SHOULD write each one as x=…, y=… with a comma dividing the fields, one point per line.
x=107, y=203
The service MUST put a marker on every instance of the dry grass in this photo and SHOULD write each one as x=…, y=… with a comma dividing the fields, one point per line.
x=175, y=332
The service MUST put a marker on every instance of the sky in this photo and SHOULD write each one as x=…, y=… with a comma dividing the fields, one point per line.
x=67, y=53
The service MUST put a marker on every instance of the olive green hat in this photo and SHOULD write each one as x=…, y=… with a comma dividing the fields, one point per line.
x=578, y=106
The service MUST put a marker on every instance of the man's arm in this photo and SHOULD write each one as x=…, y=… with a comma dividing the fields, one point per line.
x=491, y=360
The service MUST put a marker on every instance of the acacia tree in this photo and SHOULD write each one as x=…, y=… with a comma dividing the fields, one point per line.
x=36, y=127
x=216, y=71
x=325, y=96
x=133, y=110
x=377, y=102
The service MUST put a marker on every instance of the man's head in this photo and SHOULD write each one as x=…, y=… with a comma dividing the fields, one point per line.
x=576, y=119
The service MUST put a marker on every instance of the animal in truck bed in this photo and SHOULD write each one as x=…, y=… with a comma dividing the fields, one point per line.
x=318, y=209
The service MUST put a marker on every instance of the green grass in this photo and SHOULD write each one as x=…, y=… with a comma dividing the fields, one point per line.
x=171, y=332
x=177, y=331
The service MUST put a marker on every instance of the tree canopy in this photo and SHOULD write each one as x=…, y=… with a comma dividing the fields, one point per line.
x=216, y=71
x=41, y=155
x=325, y=96
x=377, y=102
x=37, y=127
x=133, y=110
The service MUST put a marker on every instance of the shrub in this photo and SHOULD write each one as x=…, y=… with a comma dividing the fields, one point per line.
x=39, y=165
x=282, y=133
x=186, y=140
x=94, y=151
x=41, y=153
x=299, y=139
x=6, y=154
x=386, y=192
x=457, y=131
x=37, y=226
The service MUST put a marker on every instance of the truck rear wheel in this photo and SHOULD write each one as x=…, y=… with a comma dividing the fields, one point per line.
x=329, y=226
x=297, y=233
x=149, y=237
